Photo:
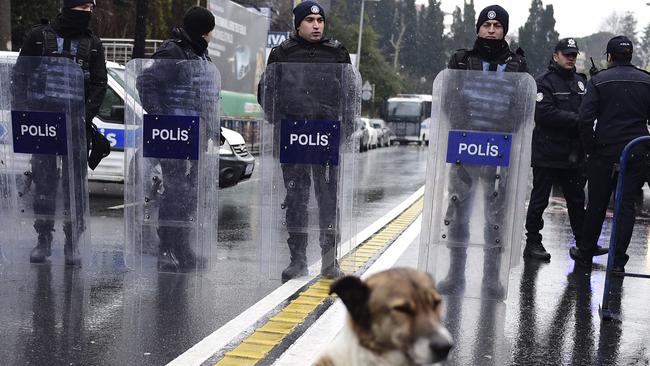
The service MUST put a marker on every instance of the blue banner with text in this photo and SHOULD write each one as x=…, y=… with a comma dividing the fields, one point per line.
x=309, y=142
x=479, y=148
x=39, y=133
x=170, y=137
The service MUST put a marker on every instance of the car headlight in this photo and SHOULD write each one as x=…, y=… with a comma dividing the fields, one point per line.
x=225, y=149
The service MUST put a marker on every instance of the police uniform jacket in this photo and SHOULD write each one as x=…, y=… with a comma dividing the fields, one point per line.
x=619, y=98
x=38, y=43
x=180, y=47
x=166, y=87
x=473, y=112
x=497, y=58
x=556, y=143
x=297, y=49
x=307, y=95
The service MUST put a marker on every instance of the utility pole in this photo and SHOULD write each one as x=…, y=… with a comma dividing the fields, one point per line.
x=140, y=28
x=5, y=25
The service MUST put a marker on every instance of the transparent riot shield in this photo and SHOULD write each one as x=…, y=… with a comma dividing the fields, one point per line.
x=307, y=167
x=6, y=213
x=171, y=153
x=476, y=185
x=44, y=163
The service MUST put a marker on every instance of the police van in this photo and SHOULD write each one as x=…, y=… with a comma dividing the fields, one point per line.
x=236, y=163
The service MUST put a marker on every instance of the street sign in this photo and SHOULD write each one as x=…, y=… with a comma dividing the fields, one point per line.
x=366, y=91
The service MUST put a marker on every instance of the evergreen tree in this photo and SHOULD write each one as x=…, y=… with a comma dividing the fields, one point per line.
x=383, y=22
x=457, y=31
x=538, y=36
x=628, y=26
x=431, y=43
x=547, y=38
x=409, y=53
x=469, y=19
x=644, y=47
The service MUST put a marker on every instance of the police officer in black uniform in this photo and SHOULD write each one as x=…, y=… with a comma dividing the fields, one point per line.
x=619, y=99
x=68, y=35
x=168, y=91
x=557, y=153
x=308, y=45
x=491, y=52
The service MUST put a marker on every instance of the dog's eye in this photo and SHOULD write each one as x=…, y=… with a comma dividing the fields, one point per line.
x=405, y=309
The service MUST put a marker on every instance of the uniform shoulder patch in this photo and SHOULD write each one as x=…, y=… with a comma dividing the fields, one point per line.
x=288, y=44
x=332, y=43
x=540, y=97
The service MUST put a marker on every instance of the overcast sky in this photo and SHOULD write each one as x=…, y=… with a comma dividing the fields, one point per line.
x=574, y=18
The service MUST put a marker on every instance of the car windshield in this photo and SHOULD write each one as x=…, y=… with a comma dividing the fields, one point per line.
x=376, y=125
x=118, y=75
x=404, y=109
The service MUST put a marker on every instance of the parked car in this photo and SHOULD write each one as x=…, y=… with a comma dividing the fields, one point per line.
x=236, y=164
x=387, y=135
x=361, y=136
x=380, y=133
x=373, y=140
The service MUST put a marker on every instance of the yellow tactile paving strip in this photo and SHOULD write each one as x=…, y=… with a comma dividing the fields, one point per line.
x=256, y=346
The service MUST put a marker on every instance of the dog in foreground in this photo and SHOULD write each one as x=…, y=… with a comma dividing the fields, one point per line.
x=394, y=319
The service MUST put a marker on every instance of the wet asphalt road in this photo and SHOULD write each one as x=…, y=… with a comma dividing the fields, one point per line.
x=551, y=316
x=53, y=315
x=56, y=316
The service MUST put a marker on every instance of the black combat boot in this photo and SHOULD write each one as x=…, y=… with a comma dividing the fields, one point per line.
x=329, y=265
x=491, y=286
x=187, y=259
x=454, y=282
x=298, y=248
x=535, y=250
x=167, y=259
x=43, y=248
x=71, y=247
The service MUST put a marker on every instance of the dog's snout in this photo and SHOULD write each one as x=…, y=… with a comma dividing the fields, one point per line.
x=440, y=346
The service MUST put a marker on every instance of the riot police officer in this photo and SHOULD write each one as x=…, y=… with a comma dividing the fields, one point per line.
x=308, y=45
x=556, y=149
x=68, y=35
x=164, y=89
x=619, y=99
x=491, y=52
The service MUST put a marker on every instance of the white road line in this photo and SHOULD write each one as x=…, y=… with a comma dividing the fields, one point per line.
x=309, y=346
x=221, y=337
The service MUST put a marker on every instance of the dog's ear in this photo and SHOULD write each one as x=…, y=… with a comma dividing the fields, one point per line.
x=354, y=294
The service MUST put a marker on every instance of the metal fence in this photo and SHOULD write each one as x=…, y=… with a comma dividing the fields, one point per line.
x=120, y=49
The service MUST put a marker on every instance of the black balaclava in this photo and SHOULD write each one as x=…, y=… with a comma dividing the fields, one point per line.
x=198, y=21
x=71, y=23
x=492, y=49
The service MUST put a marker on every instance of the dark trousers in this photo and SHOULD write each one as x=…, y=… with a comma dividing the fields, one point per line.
x=297, y=182
x=46, y=177
x=178, y=203
x=572, y=184
x=602, y=182
x=464, y=182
